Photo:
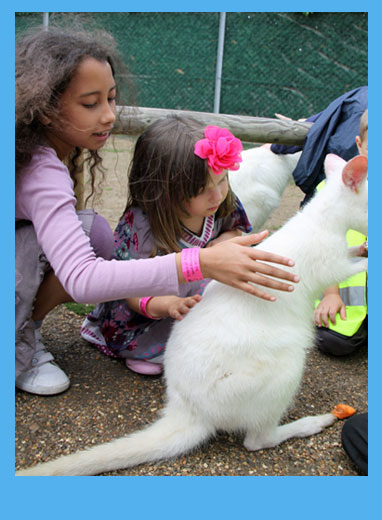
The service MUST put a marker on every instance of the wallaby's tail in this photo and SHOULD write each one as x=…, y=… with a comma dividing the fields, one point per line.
x=173, y=434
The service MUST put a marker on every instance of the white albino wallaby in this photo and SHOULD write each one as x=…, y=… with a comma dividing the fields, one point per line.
x=261, y=180
x=236, y=361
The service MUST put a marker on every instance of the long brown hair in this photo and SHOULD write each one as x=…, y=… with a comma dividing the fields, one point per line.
x=46, y=61
x=164, y=174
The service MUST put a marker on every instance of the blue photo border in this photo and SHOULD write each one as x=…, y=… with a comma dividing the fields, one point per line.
x=180, y=497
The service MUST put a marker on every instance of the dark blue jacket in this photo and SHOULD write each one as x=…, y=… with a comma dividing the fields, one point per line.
x=334, y=131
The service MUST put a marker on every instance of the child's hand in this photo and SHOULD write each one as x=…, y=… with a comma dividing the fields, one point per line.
x=171, y=306
x=227, y=235
x=286, y=118
x=327, y=310
x=362, y=250
x=234, y=263
x=179, y=307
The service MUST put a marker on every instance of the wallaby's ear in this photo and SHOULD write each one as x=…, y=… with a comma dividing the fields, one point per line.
x=355, y=172
x=333, y=163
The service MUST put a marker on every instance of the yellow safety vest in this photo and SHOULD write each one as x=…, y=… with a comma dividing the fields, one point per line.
x=353, y=292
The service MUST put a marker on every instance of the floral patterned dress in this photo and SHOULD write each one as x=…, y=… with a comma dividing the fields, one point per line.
x=118, y=331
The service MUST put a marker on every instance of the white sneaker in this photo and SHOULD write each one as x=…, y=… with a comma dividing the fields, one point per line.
x=45, y=377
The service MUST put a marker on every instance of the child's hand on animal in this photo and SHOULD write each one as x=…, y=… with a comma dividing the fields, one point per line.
x=227, y=235
x=234, y=263
x=172, y=306
x=327, y=309
x=179, y=307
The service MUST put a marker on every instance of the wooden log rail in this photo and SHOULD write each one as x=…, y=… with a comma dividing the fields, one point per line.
x=133, y=120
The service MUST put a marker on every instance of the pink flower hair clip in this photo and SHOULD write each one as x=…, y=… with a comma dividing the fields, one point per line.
x=221, y=148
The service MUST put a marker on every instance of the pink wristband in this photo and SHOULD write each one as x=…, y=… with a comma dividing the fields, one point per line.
x=142, y=307
x=190, y=264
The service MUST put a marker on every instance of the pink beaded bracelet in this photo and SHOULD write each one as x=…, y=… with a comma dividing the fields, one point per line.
x=142, y=307
x=190, y=264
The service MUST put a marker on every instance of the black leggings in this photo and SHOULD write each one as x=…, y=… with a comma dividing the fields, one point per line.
x=355, y=441
x=331, y=342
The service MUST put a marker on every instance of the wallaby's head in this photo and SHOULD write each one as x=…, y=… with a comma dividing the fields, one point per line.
x=352, y=179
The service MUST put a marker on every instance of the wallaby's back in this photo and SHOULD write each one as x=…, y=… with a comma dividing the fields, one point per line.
x=261, y=181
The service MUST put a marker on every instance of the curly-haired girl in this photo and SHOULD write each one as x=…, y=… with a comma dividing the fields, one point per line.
x=66, y=107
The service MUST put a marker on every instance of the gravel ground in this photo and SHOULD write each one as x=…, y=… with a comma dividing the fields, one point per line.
x=106, y=400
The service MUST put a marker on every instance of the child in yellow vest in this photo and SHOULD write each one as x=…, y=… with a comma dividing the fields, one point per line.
x=342, y=325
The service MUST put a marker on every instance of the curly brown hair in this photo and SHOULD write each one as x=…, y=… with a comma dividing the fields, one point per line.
x=46, y=61
x=165, y=173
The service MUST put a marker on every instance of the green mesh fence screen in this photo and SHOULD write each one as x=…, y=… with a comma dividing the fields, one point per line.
x=291, y=63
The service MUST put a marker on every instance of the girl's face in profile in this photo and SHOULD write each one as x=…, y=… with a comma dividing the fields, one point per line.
x=87, y=109
x=208, y=201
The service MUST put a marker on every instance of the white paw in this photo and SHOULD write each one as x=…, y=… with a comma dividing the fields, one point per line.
x=252, y=446
x=256, y=443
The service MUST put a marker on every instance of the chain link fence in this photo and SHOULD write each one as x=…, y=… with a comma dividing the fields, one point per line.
x=291, y=63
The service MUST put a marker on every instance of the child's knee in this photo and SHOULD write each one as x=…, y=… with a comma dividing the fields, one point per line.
x=102, y=237
x=99, y=231
x=331, y=342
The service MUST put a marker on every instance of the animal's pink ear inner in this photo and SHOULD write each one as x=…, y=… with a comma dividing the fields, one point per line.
x=355, y=172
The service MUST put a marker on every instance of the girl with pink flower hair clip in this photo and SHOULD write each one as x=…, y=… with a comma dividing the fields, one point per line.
x=179, y=201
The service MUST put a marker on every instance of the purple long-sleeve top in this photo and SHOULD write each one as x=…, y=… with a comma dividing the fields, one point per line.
x=45, y=196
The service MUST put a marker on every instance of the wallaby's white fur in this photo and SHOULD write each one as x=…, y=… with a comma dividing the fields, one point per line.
x=236, y=361
x=261, y=180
